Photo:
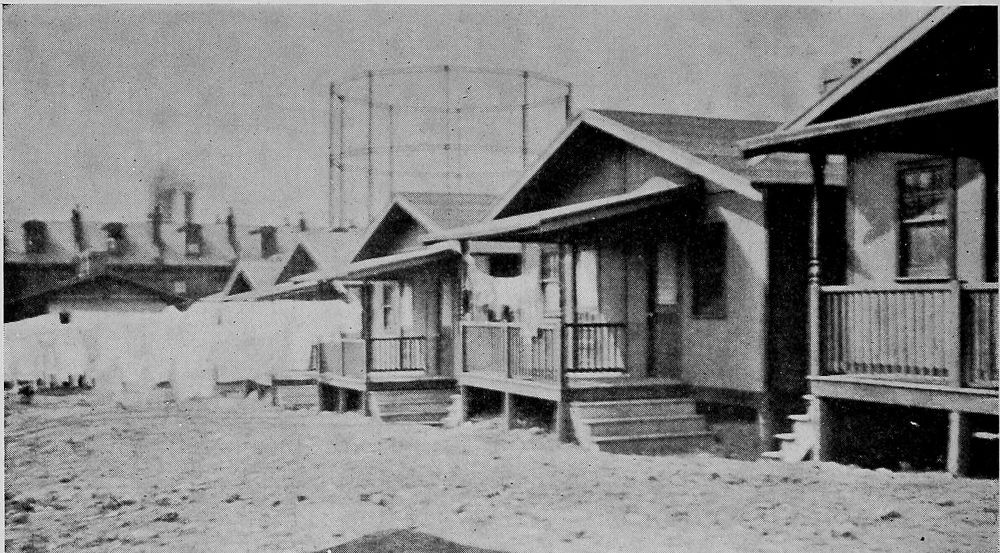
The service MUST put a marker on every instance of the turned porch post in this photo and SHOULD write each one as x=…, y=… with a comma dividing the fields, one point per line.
x=818, y=162
x=820, y=409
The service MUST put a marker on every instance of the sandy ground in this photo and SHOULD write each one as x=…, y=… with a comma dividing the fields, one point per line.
x=235, y=475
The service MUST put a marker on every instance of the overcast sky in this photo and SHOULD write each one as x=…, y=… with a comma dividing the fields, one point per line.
x=98, y=98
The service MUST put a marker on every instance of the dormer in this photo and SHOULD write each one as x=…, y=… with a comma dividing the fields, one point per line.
x=34, y=237
x=193, y=239
x=268, y=241
x=115, y=242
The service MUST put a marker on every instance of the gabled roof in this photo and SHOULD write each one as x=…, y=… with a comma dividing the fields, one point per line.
x=283, y=291
x=704, y=146
x=708, y=138
x=330, y=250
x=534, y=225
x=104, y=279
x=865, y=70
x=932, y=87
x=431, y=211
x=448, y=209
x=258, y=273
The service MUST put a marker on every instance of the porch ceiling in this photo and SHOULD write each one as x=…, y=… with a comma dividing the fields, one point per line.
x=961, y=124
x=544, y=225
x=386, y=266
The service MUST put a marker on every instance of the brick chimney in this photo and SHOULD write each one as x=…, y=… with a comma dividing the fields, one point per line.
x=156, y=221
x=192, y=231
x=78, y=235
x=268, y=241
x=231, y=233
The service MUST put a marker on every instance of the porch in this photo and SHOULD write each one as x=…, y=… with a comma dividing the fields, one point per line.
x=932, y=344
x=380, y=363
x=513, y=358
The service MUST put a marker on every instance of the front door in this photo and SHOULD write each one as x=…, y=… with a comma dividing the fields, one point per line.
x=665, y=311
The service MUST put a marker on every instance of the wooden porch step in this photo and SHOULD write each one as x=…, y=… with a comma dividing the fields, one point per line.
x=633, y=426
x=640, y=426
x=632, y=408
x=426, y=417
x=663, y=443
x=797, y=445
x=429, y=407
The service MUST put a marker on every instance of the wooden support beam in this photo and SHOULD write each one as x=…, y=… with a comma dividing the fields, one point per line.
x=563, y=429
x=826, y=426
x=765, y=422
x=341, y=400
x=463, y=409
x=508, y=411
x=958, y=443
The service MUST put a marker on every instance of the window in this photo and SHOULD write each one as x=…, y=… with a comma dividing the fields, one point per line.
x=708, y=272
x=666, y=274
x=192, y=240
x=34, y=237
x=180, y=287
x=548, y=276
x=116, y=237
x=587, y=278
x=388, y=299
x=505, y=265
x=925, y=244
x=64, y=317
x=444, y=303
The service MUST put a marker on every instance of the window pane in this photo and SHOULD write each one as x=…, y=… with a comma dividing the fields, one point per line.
x=927, y=249
x=708, y=272
x=550, y=293
x=666, y=273
x=924, y=212
x=586, y=282
x=925, y=192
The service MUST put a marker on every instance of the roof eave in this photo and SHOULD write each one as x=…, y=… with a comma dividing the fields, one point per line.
x=803, y=140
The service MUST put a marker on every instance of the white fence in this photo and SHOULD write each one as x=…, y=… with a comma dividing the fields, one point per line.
x=131, y=353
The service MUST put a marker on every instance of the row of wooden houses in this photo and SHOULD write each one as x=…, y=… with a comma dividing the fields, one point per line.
x=836, y=275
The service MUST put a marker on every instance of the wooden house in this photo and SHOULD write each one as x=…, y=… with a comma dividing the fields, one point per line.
x=286, y=256
x=902, y=329
x=102, y=292
x=652, y=277
x=402, y=365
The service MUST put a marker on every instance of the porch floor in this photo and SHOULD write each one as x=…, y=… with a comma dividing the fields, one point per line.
x=387, y=380
x=911, y=394
x=588, y=387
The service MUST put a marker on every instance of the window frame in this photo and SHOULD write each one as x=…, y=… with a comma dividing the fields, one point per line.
x=718, y=310
x=948, y=220
x=547, y=282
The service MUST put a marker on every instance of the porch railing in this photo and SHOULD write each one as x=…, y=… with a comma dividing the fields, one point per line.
x=979, y=335
x=345, y=357
x=597, y=347
x=398, y=353
x=505, y=350
x=930, y=333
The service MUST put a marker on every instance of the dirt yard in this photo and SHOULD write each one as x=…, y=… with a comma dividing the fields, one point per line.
x=235, y=475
